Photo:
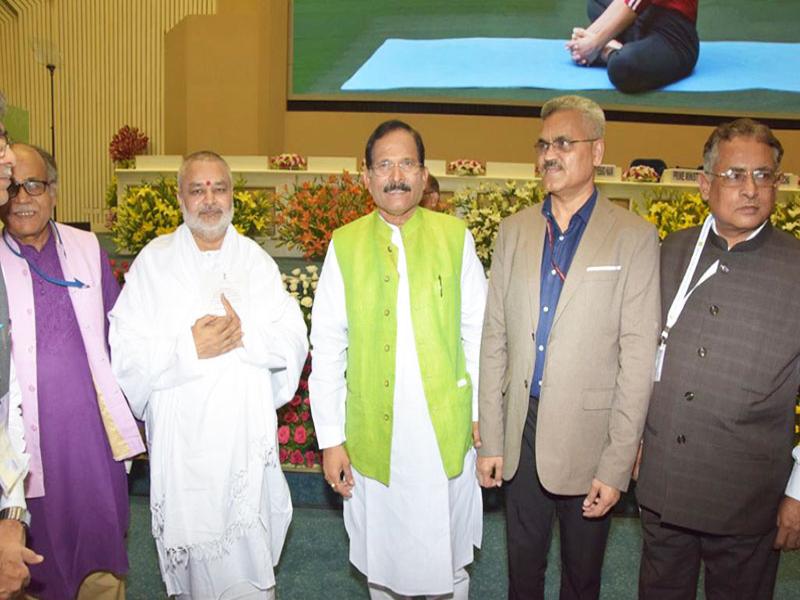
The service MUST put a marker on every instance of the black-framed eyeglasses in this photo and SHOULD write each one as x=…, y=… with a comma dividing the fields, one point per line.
x=385, y=167
x=735, y=177
x=561, y=145
x=34, y=187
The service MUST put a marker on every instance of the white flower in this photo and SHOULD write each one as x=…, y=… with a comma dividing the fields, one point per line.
x=306, y=301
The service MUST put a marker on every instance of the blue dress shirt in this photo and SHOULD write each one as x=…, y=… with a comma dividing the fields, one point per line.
x=556, y=259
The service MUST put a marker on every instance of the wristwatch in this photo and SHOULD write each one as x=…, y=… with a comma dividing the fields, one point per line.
x=16, y=513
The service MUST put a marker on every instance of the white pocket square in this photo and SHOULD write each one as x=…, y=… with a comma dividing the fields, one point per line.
x=605, y=268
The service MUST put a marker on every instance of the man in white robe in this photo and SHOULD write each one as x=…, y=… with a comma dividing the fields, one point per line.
x=206, y=343
x=414, y=515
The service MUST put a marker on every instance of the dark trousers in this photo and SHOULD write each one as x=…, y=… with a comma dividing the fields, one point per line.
x=737, y=567
x=661, y=47
x=530, y=513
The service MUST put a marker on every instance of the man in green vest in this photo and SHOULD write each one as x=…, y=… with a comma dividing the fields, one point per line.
x=396, y=336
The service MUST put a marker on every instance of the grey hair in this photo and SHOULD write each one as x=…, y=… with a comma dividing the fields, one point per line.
x=592, y=114
x=47, y=159
x=747, y=128
x=202, y=155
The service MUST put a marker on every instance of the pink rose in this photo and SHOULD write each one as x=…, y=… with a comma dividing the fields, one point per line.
x=284, y=455
x=304, y=416
x=290, y=417
x=283, y=434
x=300, y=435
x=307, y=401
x=296, y=400
x=296, y=457
x=310, y=458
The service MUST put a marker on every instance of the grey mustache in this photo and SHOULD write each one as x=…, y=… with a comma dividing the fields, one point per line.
x=551, y=163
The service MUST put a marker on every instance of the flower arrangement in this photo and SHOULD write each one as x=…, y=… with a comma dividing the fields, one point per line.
x=288, y=162
x=307, y=214
x=302, y=284
x=296, y=436
x=671, y=210
x=786, y=216
x=146, y=212
x=126, y=144
x=640, y=173
x=153, y=209
x=485, y=206
x=119, y=268
x=466, y=166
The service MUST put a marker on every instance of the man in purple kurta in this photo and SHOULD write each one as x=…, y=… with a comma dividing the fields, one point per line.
x=59, y=278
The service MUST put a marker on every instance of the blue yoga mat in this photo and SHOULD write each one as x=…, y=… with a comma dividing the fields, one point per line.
x=538, y=63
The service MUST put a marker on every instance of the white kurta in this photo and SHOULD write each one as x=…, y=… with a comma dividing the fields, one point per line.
x=219, y=501
x=414, y=534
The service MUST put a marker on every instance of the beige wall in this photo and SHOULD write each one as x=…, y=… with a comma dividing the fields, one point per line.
x=226, y=80
x=109, y=56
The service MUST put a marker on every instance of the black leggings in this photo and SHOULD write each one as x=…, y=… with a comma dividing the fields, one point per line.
x=660, y=48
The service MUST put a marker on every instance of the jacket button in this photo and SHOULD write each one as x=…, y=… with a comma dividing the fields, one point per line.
x=385, y=417
x=701, y=352
x=386, y=278
x=386, y=347
x=681, y=439
x=385, y=383
x=724, y=268
x=389, y=248
x=689, y=396
x=714, y=310
x=386, y=312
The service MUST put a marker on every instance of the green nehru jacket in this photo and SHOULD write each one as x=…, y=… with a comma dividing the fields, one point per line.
x=434, y=245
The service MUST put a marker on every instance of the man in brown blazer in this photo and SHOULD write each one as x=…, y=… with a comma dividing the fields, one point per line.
x=567, y=358
x=717, y=482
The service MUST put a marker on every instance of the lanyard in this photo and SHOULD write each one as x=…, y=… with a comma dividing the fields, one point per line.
x=76, y=283
x=683, y=293
x=551, y=244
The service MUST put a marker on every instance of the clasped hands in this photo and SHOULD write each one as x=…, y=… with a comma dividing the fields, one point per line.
x=215, y=335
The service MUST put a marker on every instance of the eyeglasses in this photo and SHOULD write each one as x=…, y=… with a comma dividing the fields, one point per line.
x=386, y=167
x=561, y=145
x=4, y=144
x=734, y=177
x=34, y=187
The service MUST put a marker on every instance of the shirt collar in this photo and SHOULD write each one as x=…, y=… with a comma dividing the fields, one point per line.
x=751, y=242
x=584, y=212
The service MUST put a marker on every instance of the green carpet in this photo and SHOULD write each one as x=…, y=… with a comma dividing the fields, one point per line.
x=333, y=39
x=314, y=564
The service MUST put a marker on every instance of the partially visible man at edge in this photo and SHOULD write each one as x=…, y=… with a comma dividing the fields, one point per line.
x=714, y=482
x=14, y=518
x=78, y=427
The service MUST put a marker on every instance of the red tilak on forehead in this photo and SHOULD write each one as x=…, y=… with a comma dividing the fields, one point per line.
x=208, y=183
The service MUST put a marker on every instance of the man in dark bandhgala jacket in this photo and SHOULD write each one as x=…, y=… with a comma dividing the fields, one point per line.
x=717, y=481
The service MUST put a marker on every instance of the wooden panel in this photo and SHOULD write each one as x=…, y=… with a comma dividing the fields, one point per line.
x=109, y=73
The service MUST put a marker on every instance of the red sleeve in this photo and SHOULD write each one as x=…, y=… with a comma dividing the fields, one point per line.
x=688, y=8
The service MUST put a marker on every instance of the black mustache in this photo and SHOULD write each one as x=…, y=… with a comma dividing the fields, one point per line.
x=397, y=185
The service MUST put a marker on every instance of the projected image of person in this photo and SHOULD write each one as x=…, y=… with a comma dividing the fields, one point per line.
x=645, y=44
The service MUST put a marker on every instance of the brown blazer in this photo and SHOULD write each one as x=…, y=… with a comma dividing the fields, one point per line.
x=600, y=356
